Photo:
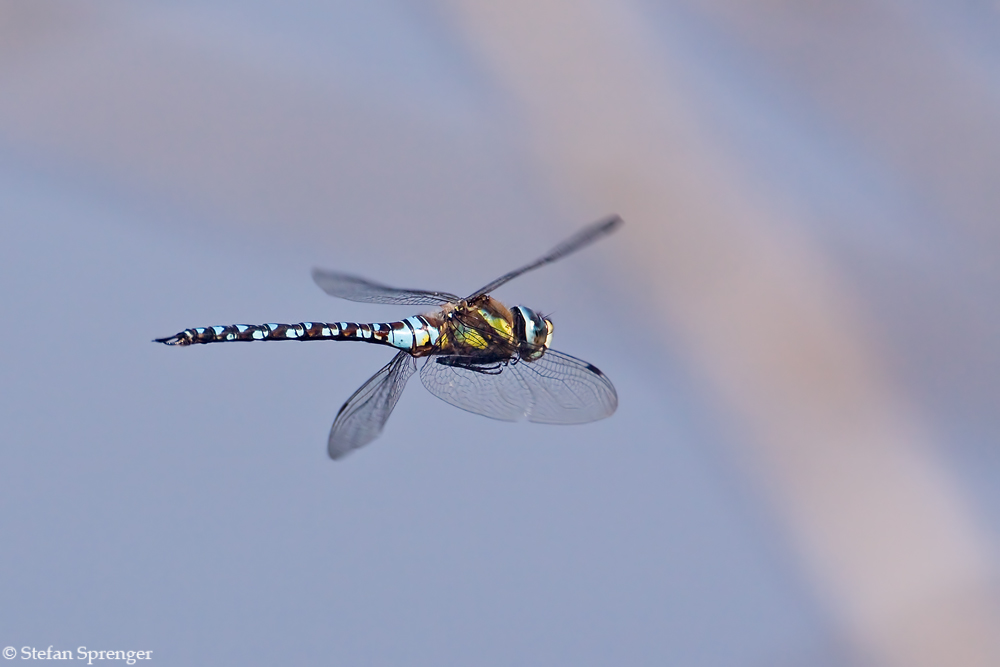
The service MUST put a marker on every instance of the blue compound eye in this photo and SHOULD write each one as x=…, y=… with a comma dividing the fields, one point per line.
x=532, y=330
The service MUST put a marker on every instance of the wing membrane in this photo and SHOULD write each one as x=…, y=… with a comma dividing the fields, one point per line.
x=362, y=417
x=579, y=240
x=354, y=288
x=555, y=389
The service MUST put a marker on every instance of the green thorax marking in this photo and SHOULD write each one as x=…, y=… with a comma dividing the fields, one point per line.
x=492, y=325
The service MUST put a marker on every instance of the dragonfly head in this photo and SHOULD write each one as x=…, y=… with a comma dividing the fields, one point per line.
x=533, y=332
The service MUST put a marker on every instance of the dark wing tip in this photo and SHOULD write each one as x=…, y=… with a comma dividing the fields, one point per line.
x=606, y=225
x=612, y=222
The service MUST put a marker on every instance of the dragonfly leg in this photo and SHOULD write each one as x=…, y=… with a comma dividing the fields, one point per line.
x=475, y=364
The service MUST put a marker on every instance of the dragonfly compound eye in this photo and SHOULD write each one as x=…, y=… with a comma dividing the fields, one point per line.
x=533, y=332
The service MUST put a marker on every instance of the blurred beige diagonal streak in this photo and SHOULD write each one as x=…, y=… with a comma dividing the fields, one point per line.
x=882, y=527
x=905, y=82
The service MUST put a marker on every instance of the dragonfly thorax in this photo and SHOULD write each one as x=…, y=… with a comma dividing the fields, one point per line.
x=533, y=332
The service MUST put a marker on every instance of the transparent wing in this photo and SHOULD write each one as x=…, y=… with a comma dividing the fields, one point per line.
x=362, y=417
x=354, y=288
x=579, y=240
x=555, y=389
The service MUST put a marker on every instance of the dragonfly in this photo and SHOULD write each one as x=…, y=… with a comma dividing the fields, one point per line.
x=474, y=353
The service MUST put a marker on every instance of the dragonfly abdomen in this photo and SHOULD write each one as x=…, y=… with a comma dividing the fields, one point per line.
x=414, y=334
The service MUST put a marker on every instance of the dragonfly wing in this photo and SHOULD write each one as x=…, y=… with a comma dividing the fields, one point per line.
x=362, y=417
x=353, y=288
x=555, y=389
x=582, y=238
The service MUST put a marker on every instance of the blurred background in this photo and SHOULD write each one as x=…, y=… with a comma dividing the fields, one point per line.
x=801, y=317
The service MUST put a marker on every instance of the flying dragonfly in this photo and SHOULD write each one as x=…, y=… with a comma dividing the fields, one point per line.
x=476, y=353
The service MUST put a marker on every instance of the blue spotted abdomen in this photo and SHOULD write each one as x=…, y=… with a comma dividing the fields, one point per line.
x=417, y=335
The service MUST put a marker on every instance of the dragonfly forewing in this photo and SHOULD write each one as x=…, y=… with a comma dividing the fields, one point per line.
x=581, y=239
